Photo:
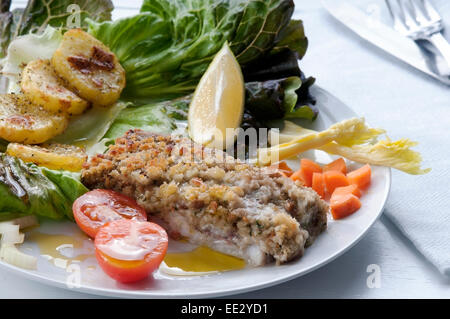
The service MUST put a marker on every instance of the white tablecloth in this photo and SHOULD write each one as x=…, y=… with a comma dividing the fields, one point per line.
x=400, y=99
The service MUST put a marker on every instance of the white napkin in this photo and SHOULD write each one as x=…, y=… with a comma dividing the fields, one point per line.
x=400, y=99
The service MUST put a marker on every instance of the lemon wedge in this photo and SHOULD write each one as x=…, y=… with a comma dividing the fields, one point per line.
x=218, y=102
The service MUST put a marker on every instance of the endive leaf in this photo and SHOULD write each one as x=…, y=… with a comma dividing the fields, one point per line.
x=348, y=132
x=396, y=154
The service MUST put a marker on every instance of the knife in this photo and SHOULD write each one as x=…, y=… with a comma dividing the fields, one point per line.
x=385, y=38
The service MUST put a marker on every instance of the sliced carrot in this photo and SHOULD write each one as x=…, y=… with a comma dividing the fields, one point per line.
x=350, y=189
x=307, y=168
x=298, y=176
x=334, y=179
x=337, y=165
x=318, y=184
x=284, y=168
x=360, y=177
x=343, y=205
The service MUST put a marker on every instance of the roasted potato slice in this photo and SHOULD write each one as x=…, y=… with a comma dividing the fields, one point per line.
x=89, y=67
x=53, y=156
x=24, y=122
x=42, y=86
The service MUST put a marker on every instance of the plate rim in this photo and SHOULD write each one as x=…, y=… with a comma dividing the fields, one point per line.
x=117, y=292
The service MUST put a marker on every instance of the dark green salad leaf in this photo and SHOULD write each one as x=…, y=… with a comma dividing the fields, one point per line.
x=292, y=38
x=276, y=99
x=27, y=189
x=266, y=100
x=35, y=17
x=168, y=46
x=275, y=66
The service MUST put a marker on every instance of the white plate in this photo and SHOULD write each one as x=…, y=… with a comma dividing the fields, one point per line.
x=338, y=238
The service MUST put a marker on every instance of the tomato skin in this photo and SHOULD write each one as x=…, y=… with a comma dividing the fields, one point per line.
x=127, y=271
x=123, y=274
x=97, y=207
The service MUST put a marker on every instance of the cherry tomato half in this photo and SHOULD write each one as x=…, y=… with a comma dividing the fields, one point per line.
x=95, y=208
x=130, y=250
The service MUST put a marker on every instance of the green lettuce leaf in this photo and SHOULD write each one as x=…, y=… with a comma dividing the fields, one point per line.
x=27, y=189
x=150, y=117
x=38, y=14
x=87, y=129
x=158, y=117
x=168, y=46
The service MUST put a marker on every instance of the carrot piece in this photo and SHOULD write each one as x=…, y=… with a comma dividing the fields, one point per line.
x=307, y=168
x=318, y=184
x=336, y=165
x=284, y=168
x=360, y=177
x=350, y=189
x=343, y=205
x=298, y=176
x=334, y=179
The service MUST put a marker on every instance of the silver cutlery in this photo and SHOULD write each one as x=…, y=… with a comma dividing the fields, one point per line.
x=388, y=39
x=418, y=20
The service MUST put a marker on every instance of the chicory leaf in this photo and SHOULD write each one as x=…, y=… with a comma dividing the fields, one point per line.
x=396, y=154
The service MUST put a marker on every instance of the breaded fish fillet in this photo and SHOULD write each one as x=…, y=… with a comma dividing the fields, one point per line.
x=211, y=198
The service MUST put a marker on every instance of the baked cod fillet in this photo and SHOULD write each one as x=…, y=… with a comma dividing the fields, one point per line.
x=211, y=198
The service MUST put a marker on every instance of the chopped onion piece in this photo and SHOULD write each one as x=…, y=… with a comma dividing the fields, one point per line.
x=10, y=254
x=26, y=221
x=10, y=234
x=6, y=226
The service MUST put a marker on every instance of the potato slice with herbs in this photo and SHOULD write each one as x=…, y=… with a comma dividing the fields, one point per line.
x=24, y=122
x=53, y=156
x=89, y=67
x=42, y=86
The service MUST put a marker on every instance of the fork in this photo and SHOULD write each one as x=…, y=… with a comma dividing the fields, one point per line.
x=418, y=20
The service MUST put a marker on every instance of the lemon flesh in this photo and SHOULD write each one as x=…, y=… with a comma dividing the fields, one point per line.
x=218, y=102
